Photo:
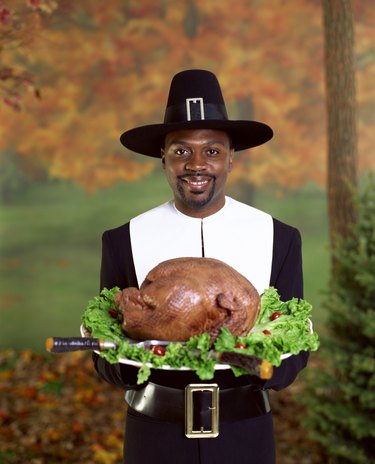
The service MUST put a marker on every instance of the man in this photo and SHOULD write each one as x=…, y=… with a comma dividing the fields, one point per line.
x=196, y=144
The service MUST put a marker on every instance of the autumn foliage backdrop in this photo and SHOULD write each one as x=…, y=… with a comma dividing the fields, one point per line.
x=103, y=67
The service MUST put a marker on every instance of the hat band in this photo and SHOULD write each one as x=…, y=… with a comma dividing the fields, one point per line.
x=195, y=110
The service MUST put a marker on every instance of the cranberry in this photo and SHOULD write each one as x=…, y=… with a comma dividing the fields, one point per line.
x=113, y=313
x=240, y=345
x=158, y=350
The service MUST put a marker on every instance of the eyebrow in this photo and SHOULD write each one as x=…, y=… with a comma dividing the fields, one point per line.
x=184, y=142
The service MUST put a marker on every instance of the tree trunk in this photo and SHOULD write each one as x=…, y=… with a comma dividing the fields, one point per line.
x=341, y=114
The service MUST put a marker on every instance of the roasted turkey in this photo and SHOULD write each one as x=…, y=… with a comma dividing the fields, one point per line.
x=184, y=297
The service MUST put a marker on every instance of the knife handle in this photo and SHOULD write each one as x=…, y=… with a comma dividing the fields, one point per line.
x=256, y=366
x=68, y=344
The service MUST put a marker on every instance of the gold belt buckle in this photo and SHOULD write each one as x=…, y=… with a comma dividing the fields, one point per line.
x=189, y=410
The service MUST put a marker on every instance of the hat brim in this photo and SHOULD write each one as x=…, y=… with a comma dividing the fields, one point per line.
x=148, y=140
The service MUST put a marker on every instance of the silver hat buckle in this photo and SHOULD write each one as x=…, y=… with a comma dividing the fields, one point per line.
x=191, y=108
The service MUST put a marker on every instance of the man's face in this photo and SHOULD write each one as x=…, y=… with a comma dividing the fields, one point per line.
x=196, y=163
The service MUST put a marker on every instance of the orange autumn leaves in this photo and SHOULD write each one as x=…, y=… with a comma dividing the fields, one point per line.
x=104, y=67
x=56, y=409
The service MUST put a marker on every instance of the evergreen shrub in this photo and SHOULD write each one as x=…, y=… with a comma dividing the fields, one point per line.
x=340, y=393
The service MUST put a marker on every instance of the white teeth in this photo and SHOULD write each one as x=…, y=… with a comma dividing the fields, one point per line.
x=196, y=182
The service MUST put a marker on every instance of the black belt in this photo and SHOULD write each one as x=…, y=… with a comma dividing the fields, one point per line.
x=200, y=406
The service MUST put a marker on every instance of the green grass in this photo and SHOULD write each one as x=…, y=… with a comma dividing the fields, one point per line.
x=50, y=245
x=306, y=210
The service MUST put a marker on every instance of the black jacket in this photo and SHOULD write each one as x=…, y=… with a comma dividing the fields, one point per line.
x=117, y=269
x=249, y=441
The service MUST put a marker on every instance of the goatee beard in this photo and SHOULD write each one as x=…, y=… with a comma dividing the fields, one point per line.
x=196, y=203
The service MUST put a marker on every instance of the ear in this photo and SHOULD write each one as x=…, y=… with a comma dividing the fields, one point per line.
x=231, y=156
x=162, y=156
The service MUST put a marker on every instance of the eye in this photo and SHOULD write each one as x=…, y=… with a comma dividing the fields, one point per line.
x=213, y=152
x=181, y=151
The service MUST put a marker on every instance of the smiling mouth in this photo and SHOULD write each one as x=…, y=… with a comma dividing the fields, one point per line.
x=196, y=181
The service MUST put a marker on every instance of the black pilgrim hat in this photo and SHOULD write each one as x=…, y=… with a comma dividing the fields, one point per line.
x=195, y=101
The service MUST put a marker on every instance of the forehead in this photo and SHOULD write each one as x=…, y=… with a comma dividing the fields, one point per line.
x=197, y=135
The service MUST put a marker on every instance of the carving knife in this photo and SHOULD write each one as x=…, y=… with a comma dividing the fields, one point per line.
x=255, y=365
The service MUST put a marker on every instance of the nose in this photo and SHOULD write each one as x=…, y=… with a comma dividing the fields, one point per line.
x=196, y=162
